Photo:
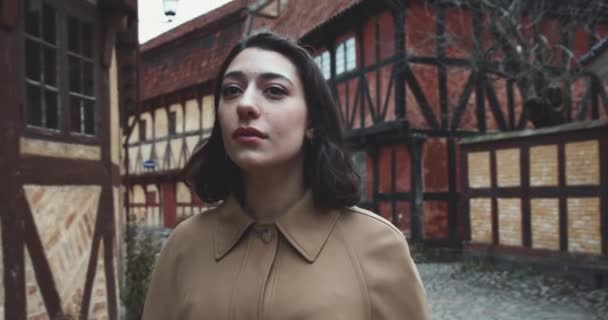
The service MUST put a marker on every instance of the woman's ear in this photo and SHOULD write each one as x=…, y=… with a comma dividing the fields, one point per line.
x=310, y=133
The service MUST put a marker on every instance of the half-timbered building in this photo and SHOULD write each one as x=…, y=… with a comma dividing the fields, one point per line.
x=67, y=69
x=406, y=98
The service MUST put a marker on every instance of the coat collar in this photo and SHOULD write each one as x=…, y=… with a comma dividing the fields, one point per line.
x=305, y=228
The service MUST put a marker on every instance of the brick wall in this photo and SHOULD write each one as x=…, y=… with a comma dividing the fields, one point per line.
x=507, y=167
x=548, y=189
x=481, y=220
x=545, y=223
x=65, y=220
x=584, y=225
x=543, y=166
x=582, y=163
x=509, y=222
x=479, y=169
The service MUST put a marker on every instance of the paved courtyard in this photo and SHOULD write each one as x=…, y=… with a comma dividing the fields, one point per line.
x=467, y=291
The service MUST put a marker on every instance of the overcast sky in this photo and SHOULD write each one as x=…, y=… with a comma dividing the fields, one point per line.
x=152, y=19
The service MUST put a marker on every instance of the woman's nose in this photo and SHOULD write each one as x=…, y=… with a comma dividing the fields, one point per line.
x=247, y=108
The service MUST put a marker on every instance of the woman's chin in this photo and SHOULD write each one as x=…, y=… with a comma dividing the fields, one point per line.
x=250, y=162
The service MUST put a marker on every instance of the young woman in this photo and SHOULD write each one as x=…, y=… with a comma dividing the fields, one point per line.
x=286, y=242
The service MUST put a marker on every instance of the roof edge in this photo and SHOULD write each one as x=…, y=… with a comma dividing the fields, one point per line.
x=183, y=30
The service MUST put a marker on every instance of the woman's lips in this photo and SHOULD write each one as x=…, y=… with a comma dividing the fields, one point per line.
x=248, y=135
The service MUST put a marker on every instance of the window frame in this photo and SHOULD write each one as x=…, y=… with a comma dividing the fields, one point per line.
x=85, y=12
x=323, y=58
x=342, y=45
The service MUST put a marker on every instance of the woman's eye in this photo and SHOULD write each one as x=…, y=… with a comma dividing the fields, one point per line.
x=276, y=91
x=230, y=91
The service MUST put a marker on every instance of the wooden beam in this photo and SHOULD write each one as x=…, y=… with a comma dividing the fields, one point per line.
x=42, y=270
x=11, y=192
x=35, y=170
x=114, y=19
x=494, y=200
x=526, y=221
x=425, y=107
x=495, y=105
x=511, y=103
x=463, y=101
x=604, y=193
x=452, y=190
x=415, y=144
x=400, y=53
x=9, y=13
x=441, y=68
x=109, y=257
x=563, y=205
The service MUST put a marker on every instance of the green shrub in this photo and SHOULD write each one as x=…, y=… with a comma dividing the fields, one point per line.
x=142, y=248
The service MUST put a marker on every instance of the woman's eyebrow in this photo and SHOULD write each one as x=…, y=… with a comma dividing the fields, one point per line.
x=240, y=76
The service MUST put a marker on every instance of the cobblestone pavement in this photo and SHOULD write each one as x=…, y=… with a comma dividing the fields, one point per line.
x=466, y=291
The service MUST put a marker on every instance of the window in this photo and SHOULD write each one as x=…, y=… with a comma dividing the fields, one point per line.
x=346, y=56
x=56, y=40
x=81, y=69
x=142, y=129
x=172, y=122
x=324, y=63
x=41, y=88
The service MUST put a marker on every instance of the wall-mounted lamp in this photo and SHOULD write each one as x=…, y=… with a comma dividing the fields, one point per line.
x=170, y=7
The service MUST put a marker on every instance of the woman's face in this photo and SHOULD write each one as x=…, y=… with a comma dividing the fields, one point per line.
x=262, y=110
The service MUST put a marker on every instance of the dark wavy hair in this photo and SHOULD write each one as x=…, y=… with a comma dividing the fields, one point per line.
x=328, y=169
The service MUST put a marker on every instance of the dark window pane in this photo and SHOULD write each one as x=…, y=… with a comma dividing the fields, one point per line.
x=34, y=105
x=32, y=17
x=172, y=124
x=32, y=60
x=50, y=66
x=87, y=40
x=142, y=130
x=89, y=116
x=49, y=30
x=75, y=114
x=73, y=35
x=88, y=83
x=74, y=65
x=52, y=112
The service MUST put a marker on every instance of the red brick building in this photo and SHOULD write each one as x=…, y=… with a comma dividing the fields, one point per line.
x=406, y=100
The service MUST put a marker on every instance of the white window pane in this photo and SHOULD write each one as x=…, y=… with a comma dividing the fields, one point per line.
x=351, y=60
x=351, y=54
x=319, y=63
x=350, y=43
x=340, y=59
x=325, y=58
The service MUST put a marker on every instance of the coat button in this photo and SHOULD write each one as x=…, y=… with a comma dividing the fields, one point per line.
x=266, y=235
x=264, y=232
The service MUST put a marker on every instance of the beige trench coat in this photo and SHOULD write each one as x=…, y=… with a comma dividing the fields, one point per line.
x=345, y=264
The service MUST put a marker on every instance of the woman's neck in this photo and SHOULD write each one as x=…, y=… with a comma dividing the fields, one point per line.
x=270, y=193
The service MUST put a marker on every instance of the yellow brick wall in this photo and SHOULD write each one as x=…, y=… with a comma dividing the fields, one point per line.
x=481, y=219
x=544, y=215
x=584, y=225
x=509, y=222
x=544, y=166
x=582, y=163
x=478, y=164
x=507, y=168
x=208, y=112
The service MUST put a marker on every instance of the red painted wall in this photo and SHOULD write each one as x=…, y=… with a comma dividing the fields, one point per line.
x=420, y=26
